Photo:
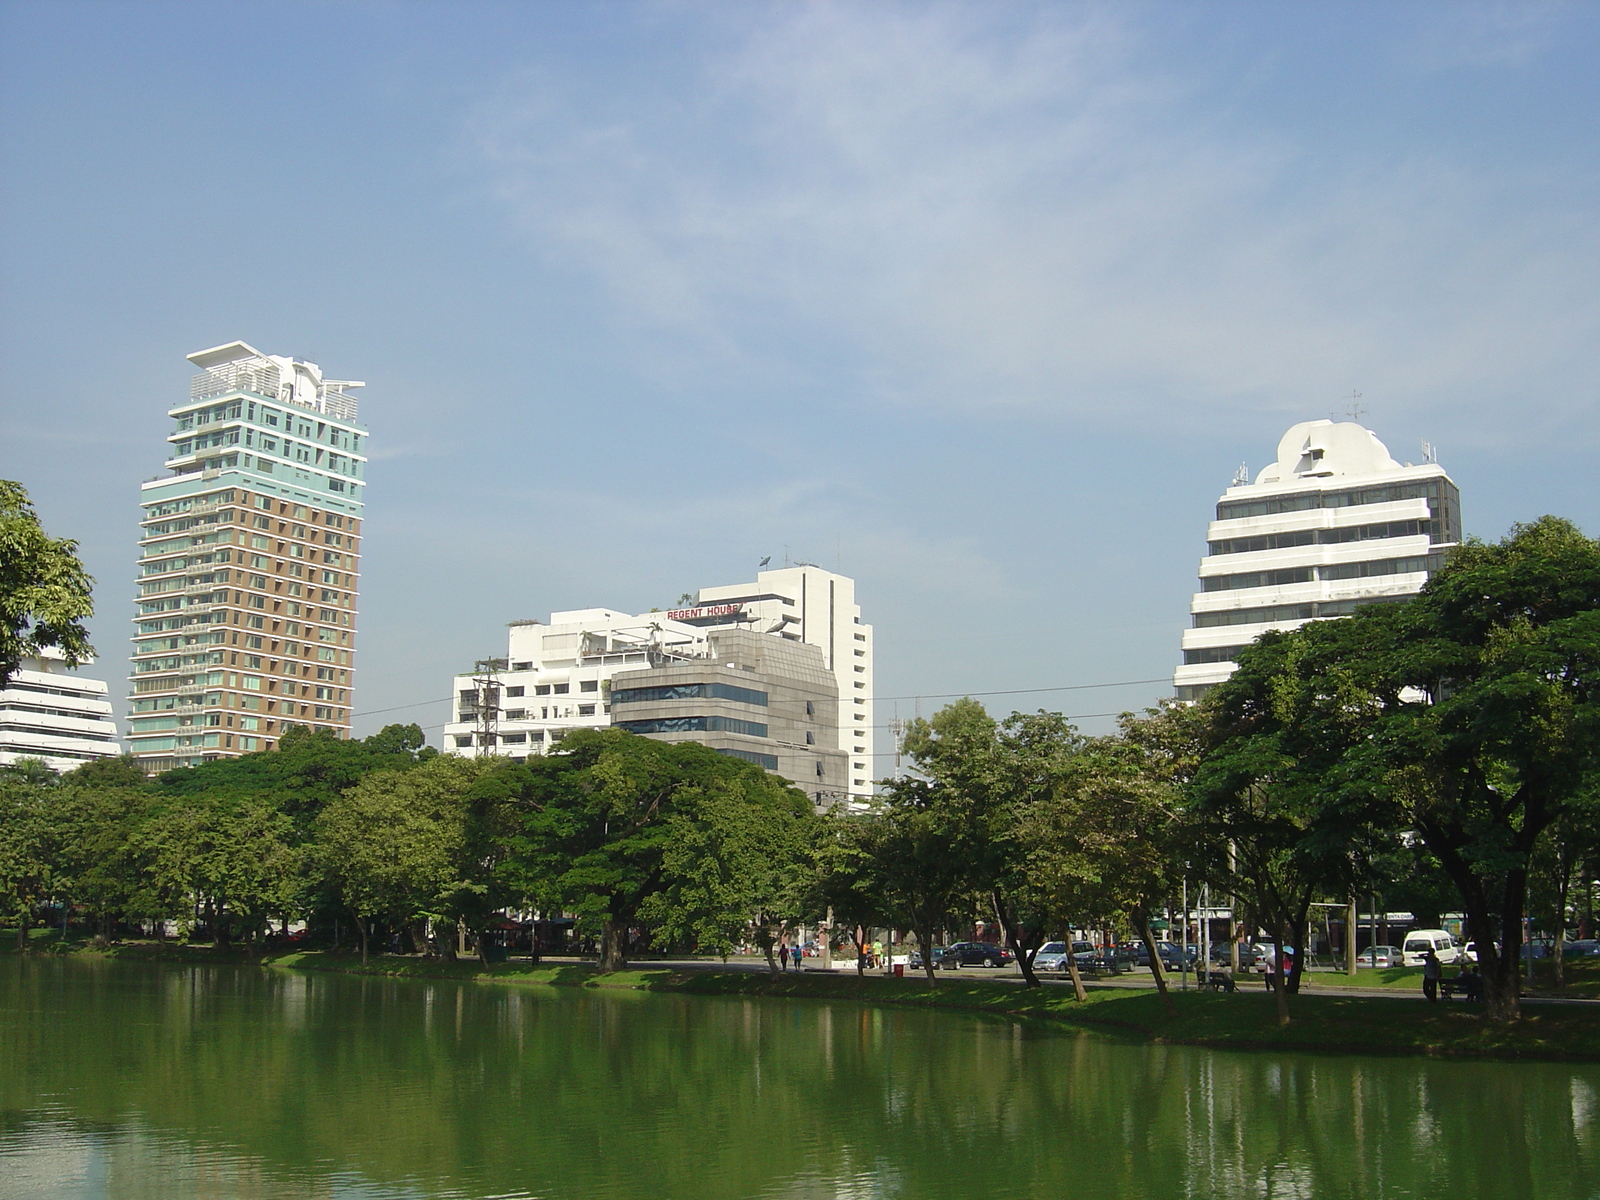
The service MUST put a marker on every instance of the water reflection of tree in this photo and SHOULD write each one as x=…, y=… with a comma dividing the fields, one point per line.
x=623, y=1094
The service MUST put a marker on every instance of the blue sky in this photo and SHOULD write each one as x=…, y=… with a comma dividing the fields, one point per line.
x=983, y=303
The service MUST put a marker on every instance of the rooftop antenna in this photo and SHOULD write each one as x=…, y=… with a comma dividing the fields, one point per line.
x=486, y=702
x=1242, y=475
x=1430, y=453
x=1355, y=410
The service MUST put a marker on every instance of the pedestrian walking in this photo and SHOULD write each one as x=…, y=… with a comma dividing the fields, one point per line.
x=1432, y=970
x=783, y=957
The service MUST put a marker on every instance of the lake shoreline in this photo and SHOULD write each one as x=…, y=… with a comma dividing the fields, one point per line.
x=1321, y=1023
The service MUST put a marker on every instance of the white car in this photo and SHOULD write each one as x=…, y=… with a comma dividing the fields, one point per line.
x=1419, y=941
x=1379, y=956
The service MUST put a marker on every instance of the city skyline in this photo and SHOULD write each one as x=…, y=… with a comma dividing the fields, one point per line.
x=979, y=307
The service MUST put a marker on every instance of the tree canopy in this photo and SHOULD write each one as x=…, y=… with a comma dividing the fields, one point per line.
x=44, y=591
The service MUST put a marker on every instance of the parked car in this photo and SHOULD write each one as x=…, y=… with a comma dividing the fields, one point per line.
x=1582, y=948
x=1111, y=958
x=976, y=954
x=1052, y=956
x=1419, y=941
x=1379, y=956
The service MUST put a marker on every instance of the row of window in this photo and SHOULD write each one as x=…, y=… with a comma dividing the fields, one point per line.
x=695, y=725
x=1289, y=612
x=693, y=691
x=1429, y=489
x=1360, y=570
x=1326, y=537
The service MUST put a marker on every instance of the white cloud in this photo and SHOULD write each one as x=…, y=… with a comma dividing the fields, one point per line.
x=982, y=213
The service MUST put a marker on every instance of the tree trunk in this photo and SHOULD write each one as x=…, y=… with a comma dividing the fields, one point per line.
x=361, y=932
x=1297, y=934
x=1563, y=889
x=925, y=945
x=1141, y=925
x=613, y=945
x=419, y=937
x=1019, y=940
x=1280, y=986
x=764, y=940
x=1078, y=991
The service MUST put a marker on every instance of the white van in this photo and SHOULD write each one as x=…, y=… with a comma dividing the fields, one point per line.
x=1419, y=941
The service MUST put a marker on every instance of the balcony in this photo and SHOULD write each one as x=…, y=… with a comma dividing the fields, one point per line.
x=256, y=376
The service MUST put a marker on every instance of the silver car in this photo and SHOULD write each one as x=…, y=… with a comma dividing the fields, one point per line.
x=1052, y=956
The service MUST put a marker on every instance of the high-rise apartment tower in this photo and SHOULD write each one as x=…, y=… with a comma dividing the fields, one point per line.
x=248, y=567
x=1332, y=525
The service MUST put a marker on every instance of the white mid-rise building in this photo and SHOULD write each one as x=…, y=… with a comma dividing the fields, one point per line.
x=61, y=718
x=805, y=603
x=557, y=677
x=1333, y=524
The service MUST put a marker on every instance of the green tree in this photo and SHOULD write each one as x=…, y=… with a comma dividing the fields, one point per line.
x=396, y=846
x=27, y=858
x=901, y=864
x=615, y=825
x=1468, y=717
x=44, y=592
x=988, y=777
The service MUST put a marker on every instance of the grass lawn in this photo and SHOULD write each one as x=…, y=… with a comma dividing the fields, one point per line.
x=1243, y=1020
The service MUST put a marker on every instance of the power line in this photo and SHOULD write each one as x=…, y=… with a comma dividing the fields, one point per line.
x=1069, y=687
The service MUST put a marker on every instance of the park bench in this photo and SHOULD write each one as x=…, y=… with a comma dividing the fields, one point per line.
x=1468, y=987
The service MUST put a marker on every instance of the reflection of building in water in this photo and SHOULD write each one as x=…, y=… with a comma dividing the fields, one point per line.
x=1334, y=524
x=48, y=714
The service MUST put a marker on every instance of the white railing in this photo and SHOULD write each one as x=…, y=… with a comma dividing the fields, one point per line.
x=248, y=375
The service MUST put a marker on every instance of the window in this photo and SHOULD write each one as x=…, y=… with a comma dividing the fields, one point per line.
x=463, y=739
x=514, y=691
x=516, y=714
x=588, y=685
x=769, y=761
x=819, y=769
x=586, y=710
x=1386, y=566
x=514, y=739
x=563, y=688
x=541, y=689
x=811, y=738
x=1256, y=579
x=1211, y=654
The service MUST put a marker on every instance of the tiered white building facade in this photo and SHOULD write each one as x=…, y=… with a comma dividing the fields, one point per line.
x=1334, y=524
x=48, y=714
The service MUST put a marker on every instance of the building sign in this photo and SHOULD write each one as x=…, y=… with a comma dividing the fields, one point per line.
x=701, y=614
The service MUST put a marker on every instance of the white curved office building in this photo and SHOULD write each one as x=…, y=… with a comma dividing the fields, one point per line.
x=1333, y=524
x=63, y=719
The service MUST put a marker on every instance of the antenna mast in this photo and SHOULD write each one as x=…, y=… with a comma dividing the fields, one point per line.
x=486, y=685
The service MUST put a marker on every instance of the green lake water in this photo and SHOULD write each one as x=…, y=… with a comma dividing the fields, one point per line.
x=121, y=1080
